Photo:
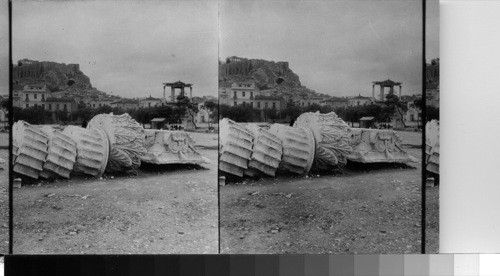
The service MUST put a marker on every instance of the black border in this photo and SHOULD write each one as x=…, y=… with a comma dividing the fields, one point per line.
x=11, y=122
x=424, y=119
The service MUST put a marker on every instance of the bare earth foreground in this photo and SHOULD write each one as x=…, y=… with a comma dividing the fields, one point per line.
x=371, y=209
x=172, y=210
x=432, y=220
x=4, y=194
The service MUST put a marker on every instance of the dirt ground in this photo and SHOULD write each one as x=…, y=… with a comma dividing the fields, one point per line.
x=370, y=209
x=163, y=210
x=432, y=220
x=4, y=194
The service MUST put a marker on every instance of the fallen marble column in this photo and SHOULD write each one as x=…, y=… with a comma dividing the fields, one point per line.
x=377, y=146
x=61, y=155
x=266, y=152
x=92, y=149
x=432, y=146
x=298, y=148
x=126, y=138
x=332, y=136
x=171, y=147
x=29, y=149
x=235, y=147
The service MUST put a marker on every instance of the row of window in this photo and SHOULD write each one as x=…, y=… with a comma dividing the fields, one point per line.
x=258, y=104
x=65, y=107
x=35, y=96
x=243, y=93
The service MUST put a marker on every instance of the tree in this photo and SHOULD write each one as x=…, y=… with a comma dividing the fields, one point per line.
x=291, y=112
x=239, y=113
x=213, y=109
x=190, y=108
x=398, y=107
x=32, y=115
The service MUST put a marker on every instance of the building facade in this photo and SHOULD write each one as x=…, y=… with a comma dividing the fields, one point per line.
x=360, y=101
x=149, y=102
x=126, y=104
x=52, y=104
x=243, y=93
x=29, y=95
x=269, y=102
x=335, y=102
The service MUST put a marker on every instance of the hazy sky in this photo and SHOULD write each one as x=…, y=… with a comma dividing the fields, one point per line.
x=129, y=48
x=432, y=30
x=336, y=47
x=4, y=48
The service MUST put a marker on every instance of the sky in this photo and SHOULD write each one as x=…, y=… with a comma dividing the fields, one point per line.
x=432, y=30
x=128, y=48
x=4, y=48
x=335, y=47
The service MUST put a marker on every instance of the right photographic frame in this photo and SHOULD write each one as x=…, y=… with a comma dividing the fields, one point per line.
x=432, y=127
x=320, y=132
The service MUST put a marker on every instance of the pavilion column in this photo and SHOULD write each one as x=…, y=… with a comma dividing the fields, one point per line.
x=190, y=92
x=381, y=93
x=400, y=89
x=373, y=91
x=172, y=94
x=164, y=94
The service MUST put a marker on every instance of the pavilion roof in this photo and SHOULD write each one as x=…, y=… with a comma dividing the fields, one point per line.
x=387, y=82
x=178, y=84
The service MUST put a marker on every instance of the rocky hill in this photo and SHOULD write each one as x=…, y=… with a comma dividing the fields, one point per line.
x=57, y=76
x=266, y=74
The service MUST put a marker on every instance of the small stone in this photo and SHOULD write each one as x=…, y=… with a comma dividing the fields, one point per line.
x=17, y=183
x=274, y=231
x=72, y=233
x=180, y=233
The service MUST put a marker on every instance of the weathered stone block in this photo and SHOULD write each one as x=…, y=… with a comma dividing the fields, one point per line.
x=30, y=149
x=377, y=146
x=235, y=147
x=432, y=146
x=92, y=149
x=171, y=147
x=266, y=152
x=298, y=148
x=332, y=137
x=61, y=155
x=126, y=138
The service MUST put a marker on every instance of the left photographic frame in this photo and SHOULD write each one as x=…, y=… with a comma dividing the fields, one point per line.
x=4, y=127
x=113, y=137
